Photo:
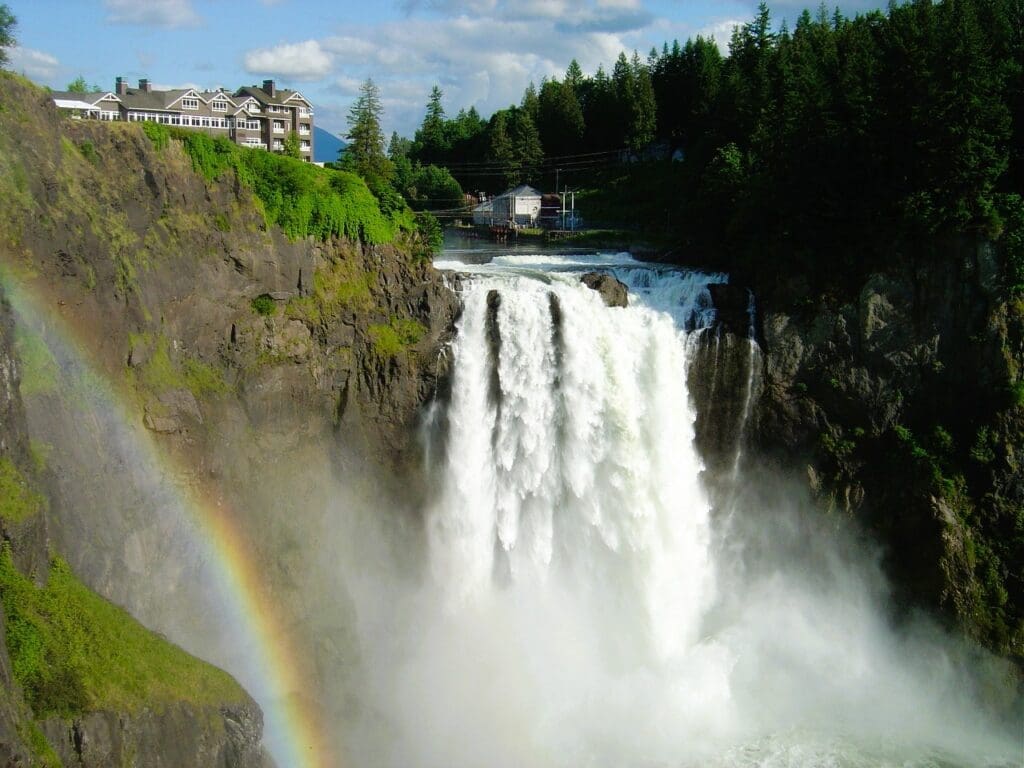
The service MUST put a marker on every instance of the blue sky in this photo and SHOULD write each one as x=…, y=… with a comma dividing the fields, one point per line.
x=483, y=53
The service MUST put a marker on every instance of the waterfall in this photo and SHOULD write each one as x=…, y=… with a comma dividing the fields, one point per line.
x=582, y=604
x=570, y=451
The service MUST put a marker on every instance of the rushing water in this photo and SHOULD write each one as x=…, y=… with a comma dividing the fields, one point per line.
x=587, y=606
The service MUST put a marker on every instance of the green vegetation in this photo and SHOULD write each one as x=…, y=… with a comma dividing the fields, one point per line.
x=40, y=372
x=73, y=652
x=7, y=25
x=365, y=154
x=88, y=151
x=159, y=373
x=264, y=305
x=340, y=285
x=39, y=452
x=78, y=85
x=300, y=198
x=18, y=501
x=396, y=337
x=159, y=134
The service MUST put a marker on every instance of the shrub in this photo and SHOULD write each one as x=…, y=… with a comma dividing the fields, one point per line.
x=264, y=305
x=72, y=652
x=159, y=134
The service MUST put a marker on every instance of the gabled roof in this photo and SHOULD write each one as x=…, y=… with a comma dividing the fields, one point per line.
x=523, y=190
x=485, y=207
x=296, y=95
x=92, y=98
x=209, y=96
x=136, y=98
x=191, y=93
x=72, y=103
x=260, y=95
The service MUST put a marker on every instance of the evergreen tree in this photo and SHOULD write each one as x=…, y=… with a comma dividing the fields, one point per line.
x=7, y=25
x=365, y=151
x=574, y=75
x=431, y=137
x=531, y=103
x=560, y=119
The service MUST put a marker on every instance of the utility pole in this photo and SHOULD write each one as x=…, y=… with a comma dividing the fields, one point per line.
x=572, y=218
x=562, y=194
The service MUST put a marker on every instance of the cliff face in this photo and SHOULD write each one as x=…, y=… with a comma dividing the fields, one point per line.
x=904, y=406
x=15, y=719
x=225, y=736
x=254, y=363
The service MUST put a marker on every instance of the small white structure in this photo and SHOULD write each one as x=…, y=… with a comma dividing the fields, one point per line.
x=483, y=214
x=518, y=207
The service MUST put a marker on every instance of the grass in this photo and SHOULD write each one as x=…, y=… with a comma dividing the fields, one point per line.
x=338, y=286
x=396, y=337
x=160, y=373
x=18, y=501
x=73, y=652
x=40, y=372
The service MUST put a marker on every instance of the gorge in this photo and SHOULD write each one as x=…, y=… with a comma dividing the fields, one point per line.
x=464, y=513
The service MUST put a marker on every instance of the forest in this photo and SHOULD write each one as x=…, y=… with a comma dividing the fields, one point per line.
x=840, y=135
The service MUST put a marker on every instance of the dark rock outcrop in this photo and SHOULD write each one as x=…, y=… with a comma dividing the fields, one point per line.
x=228, y=737
x=613, y=291
x=899, y=405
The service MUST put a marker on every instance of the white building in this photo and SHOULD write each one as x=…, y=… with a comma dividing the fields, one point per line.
x=518, y=207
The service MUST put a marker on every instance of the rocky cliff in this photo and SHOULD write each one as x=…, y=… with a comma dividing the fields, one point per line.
x=902, y=404
x=167, y=302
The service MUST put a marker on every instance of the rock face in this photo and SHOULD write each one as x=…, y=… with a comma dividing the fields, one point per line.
x=252, y=362
x=899, y=404
x=15, y=719
x=180, y=735
x=613, y=292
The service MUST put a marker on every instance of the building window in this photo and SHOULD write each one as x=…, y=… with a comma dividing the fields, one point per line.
x=190, y=103
x=304, y=145
x=220, y=106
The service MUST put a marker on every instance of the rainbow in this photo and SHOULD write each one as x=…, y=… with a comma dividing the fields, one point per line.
x=294, y=731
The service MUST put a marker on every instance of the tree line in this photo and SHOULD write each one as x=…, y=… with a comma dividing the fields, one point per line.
x=838, y=130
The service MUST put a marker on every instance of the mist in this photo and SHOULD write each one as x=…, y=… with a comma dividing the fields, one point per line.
x=617, y=606
x=577, y=589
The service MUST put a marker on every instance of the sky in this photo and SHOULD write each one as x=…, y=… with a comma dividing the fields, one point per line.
x=483, y=53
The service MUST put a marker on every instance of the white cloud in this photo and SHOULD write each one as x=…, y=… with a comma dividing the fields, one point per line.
x=36, y=65
x=153, y=13
x=721, y=31
x=482, y=53
x=300, y=61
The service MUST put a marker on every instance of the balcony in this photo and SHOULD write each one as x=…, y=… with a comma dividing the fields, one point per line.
x=304, y=130
x=278, y=127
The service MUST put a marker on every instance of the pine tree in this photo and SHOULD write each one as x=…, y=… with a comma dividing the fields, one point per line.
x=574, y=75
x=431, y=137
x=7, y=25
x=365, y=151
x=560, y=119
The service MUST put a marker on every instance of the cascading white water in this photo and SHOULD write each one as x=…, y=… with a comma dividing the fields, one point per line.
x=583, y=605
x=571, y=446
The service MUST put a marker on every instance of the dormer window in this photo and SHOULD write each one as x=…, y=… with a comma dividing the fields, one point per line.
x=190, y=103
x=220, y=106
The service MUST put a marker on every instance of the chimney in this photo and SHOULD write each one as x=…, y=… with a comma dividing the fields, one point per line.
x=145, y=85
x=268, y=88
x=120, y=87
